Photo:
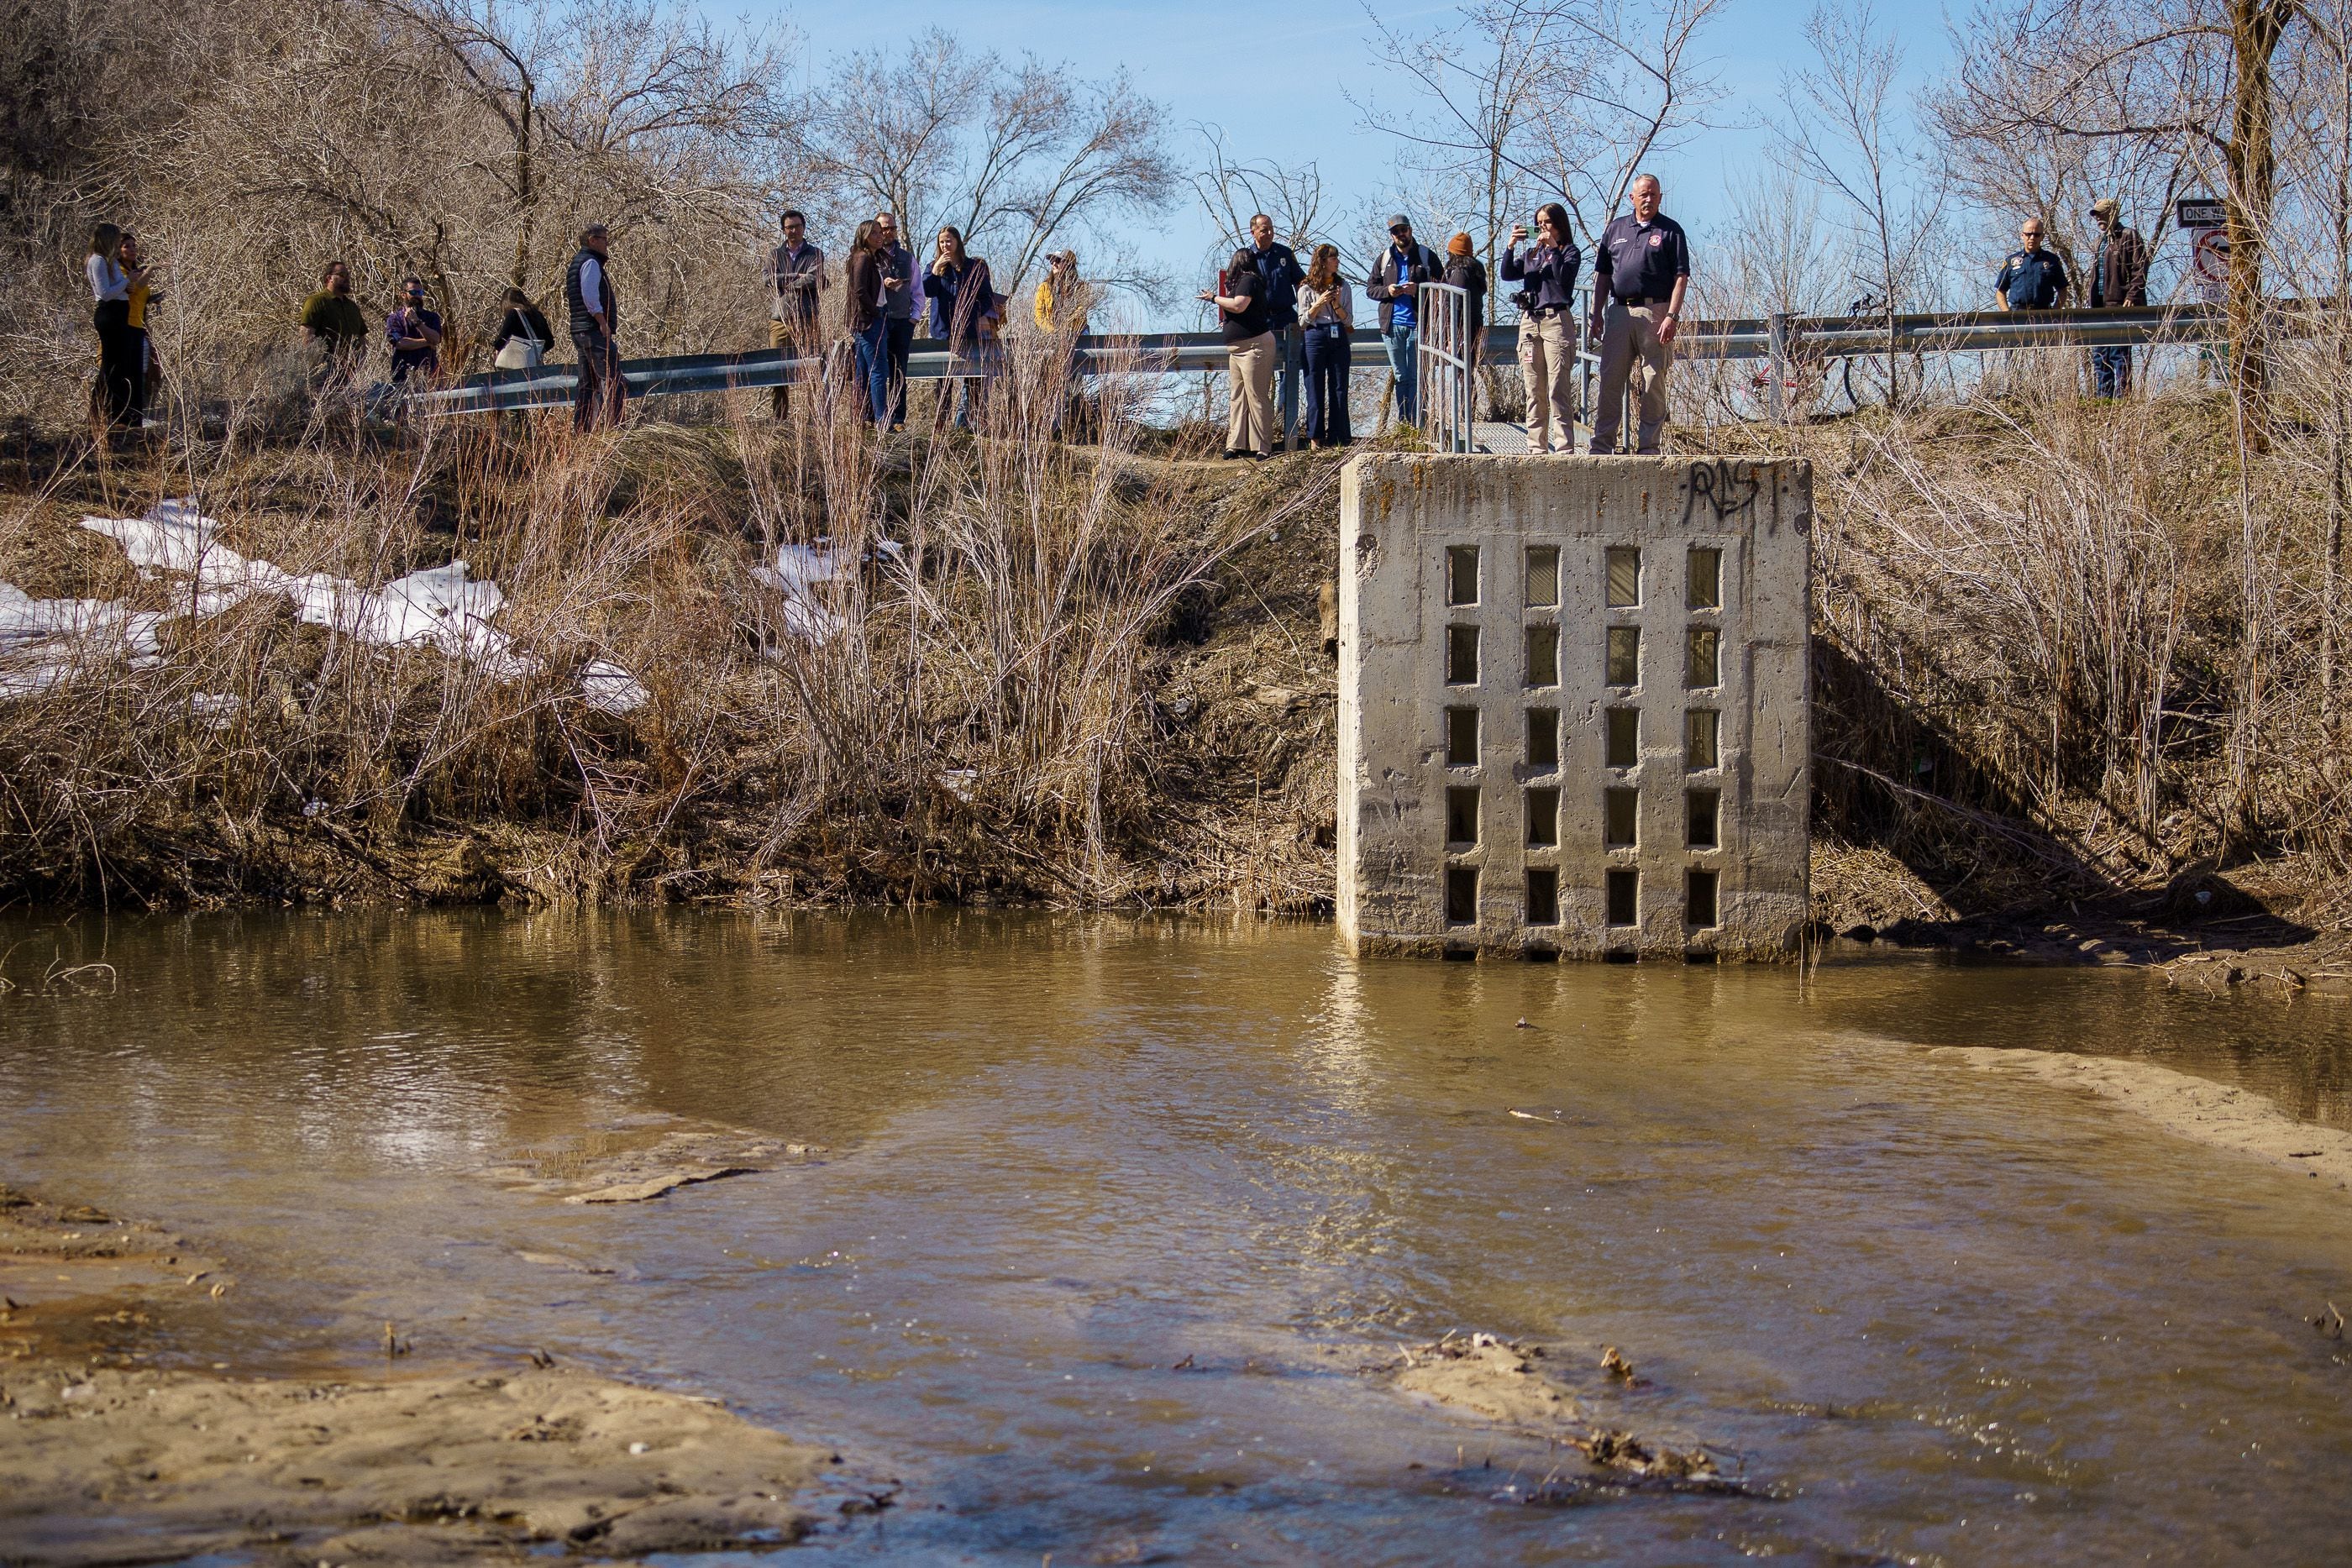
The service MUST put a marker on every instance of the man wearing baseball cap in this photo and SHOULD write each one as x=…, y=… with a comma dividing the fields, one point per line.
x=1397, y=275
x=2118, y=278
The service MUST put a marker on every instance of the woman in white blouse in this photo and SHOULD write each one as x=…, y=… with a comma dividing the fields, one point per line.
x=116, y=393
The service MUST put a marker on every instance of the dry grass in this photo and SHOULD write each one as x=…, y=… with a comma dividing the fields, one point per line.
x=980, y=725
x=2069, y=651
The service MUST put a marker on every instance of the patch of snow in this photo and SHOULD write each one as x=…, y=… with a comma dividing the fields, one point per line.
x=797, y=567
x=442, y=607
x=43, y=639
x=608, y=688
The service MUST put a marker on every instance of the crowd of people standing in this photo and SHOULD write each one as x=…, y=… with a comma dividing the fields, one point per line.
x=1288, y=328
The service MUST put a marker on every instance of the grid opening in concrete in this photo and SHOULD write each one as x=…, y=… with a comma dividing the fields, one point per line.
x=1543, y=895
x=1543, y=737
x=1543, y=819
x=1702, y=815
x=1624, y=657
x=1462, y=656
x=1571, y=692
x=1623, y=738
x=1702, y=658
x=1625, y=571
x=1543, y=656
x=1698, y=898
x=1624, y=897
x=1461, y=895
x=1701, y=737
x=1462, y=574
x=1703, y=579
x=1462, y=738
x=1621, y=813
x=1543, y=576
x=1462, y=816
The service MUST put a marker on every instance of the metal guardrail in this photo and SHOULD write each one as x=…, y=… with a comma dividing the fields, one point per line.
x=1781, y=338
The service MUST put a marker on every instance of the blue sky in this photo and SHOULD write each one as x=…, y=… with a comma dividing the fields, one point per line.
x=1284, y=94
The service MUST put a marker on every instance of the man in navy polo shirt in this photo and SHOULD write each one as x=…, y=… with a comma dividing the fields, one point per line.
x=2032, y=278
x=1640, y=272
x=1277, y=268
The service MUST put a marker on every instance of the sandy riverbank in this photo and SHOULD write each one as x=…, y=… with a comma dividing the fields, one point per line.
x=114, y=1448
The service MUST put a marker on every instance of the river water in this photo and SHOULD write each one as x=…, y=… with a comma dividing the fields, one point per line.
x=1937, y=1314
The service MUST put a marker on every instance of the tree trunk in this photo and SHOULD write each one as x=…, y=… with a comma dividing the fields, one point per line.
x=2255, y=26
x=526, y=190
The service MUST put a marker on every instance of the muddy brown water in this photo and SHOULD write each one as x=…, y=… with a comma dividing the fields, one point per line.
x=1938, y=1315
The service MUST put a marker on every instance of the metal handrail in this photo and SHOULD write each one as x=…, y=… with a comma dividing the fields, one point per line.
x=1444, y=360
x=1153, y=353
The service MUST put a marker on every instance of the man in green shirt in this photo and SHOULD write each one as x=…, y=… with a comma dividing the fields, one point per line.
x=333, y=331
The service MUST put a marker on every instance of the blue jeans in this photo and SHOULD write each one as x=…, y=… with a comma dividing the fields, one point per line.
x=1326, y=388
x=2111, y=372
x=1289, y=369
x=873, y=369
x=1404, y=340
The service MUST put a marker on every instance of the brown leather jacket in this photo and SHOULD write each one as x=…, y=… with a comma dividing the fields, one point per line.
x=865, y=279
x=2121, y=275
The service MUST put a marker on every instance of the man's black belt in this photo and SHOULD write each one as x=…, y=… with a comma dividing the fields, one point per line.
x=1645, y=298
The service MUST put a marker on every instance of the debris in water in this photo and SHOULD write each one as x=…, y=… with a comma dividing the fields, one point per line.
x=1616, y=1366
x=393, y=1346
x=2330, y=1323
x=1551, y=1118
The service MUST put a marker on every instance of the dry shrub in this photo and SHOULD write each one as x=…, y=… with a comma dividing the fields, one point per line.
x=2065, y=649
x=976, y=721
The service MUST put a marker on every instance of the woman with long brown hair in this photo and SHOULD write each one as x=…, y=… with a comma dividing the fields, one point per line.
x=1327, y=311
x=963, y=311
x=869, y=322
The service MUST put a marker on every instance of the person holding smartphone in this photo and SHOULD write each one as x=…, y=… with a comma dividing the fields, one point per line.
x=1547, y=326
x=1248, y=330
x=415, y=334
x=1327, y=311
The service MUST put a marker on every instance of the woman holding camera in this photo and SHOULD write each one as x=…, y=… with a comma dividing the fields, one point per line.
x=1547, y=327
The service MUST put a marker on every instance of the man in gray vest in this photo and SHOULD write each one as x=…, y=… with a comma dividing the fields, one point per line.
x=596, y=312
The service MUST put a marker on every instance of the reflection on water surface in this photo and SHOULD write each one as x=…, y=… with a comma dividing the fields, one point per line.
x=1942, y=1314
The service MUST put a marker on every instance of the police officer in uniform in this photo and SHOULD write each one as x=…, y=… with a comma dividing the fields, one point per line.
x=2032, y=278
x=1640, y=272
x=596, y=312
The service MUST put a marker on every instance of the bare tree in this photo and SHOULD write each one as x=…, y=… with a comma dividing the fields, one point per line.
x=1843, y=131
x=2191, y=80
x=1523, y=98
x=1231, y=192
x=1015, y=155
x=622, y=91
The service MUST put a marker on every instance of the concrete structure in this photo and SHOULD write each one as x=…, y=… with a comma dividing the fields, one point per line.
x=1573, y=703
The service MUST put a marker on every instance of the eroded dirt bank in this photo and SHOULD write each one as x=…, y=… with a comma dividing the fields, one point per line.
x=115, y=1448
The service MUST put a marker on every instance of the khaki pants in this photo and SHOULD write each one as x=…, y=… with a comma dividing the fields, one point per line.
x=1548, y=360
x=1630, y=350
x=1249, y=388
